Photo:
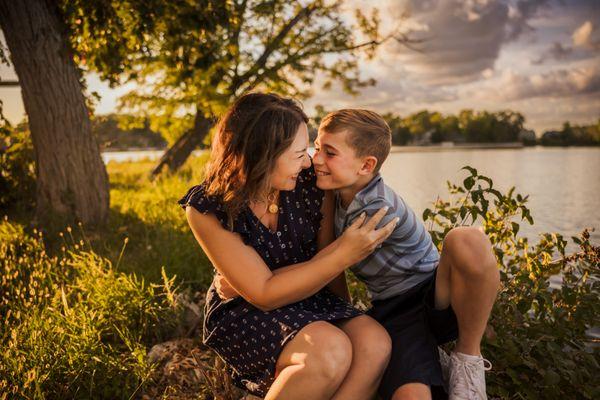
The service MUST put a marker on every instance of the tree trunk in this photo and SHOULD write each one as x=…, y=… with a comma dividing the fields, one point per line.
x=72, y=183
x=176, y=155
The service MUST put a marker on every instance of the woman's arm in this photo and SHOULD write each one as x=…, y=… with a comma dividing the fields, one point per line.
x=325, y=237
x=247, y=273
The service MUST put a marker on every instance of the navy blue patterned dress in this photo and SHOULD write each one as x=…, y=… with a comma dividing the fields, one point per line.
x=248, y=339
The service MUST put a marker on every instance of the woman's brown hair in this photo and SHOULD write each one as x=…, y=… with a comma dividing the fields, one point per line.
x=249, y=138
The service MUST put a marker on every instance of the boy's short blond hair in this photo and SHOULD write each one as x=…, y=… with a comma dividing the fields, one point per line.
x=368, y=133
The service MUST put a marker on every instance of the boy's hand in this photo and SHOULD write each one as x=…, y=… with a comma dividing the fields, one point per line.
x=224, y=289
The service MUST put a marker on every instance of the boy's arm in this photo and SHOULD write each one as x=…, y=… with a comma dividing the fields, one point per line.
x=396, y=208
x=325, y=237
x=339, y=286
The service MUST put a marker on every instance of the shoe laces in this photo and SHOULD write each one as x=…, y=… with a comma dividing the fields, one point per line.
x=465, y=376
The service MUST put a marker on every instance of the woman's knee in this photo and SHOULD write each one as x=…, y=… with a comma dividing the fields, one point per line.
x=328, y=350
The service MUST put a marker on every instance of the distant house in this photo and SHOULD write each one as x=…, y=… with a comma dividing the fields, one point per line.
x=527, y=136
x=424, y=139
x=552, y=138
x=551, y=135
x=456, y=137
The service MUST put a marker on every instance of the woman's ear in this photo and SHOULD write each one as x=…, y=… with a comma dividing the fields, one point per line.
x=369, y=164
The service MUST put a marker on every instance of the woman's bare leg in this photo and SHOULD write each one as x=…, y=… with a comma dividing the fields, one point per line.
x=371, y=347
x=313, y=364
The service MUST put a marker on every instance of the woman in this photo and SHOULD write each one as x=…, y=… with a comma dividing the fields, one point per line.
x=258, y=216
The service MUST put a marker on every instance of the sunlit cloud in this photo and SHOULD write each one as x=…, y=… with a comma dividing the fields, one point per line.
x=532, y=56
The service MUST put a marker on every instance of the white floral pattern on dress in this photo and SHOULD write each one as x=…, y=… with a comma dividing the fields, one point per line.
x=248, y=339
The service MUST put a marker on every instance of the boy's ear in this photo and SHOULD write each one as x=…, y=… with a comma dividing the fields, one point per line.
x=369, y=164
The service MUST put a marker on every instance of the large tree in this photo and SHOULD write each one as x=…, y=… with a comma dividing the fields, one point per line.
x=71, y=178
x=275, y=45
x=52, y=45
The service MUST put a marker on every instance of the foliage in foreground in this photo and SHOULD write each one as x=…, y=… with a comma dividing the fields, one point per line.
x=72, y=326
x=17, y=166
x=537, y=341
x=91, y=342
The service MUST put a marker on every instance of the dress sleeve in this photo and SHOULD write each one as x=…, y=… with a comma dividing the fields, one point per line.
x=311, y=196
x=197, y=198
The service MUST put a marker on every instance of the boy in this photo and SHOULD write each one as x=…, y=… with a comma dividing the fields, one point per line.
x=422, y=299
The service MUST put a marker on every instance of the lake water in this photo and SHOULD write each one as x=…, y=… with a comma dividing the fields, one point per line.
x=563, y=184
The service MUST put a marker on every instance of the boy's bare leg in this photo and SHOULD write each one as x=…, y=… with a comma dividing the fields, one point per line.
x=371, y=349
x=468, y=278
x=412, y=391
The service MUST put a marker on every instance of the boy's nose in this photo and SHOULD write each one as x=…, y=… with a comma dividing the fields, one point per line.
x=317, y=157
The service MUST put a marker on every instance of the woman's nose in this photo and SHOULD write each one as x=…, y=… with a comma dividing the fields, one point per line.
x=306, y=161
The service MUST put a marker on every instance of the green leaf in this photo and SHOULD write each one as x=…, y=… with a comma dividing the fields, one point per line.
x=469, y=182
x=426, y=214
x=551, y=378
x=472, y=170
x=515, y=228
x=496, y=193
x=488, y=180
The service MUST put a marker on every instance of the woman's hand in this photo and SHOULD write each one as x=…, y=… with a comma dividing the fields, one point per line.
x=361, y=238
x=224, y=289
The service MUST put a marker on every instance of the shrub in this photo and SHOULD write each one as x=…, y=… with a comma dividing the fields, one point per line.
x=73, y=327
x=537, y=341
x=17, y=167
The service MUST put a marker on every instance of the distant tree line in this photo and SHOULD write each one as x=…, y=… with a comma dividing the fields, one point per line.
x=118, y=132
x=573, y=135
x=122, y=132
x=469, y=126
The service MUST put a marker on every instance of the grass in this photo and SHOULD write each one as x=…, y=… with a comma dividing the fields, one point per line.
x=81, y=307
x=148, y=215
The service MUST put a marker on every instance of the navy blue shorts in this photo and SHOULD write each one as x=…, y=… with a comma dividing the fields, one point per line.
x=416, y=329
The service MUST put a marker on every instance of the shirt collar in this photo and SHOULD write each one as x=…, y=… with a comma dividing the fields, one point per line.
x=363, y=196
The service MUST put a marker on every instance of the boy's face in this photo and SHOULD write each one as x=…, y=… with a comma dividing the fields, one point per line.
x=336, y=163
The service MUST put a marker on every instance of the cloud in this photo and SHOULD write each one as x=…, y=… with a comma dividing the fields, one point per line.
x=462, y=39
x=555, y=52
x=393, y=91
x=556, y=83
x=582, y=37
x=520, y=13
x=584, y=46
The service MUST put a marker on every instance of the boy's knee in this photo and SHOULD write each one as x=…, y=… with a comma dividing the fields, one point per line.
x=470, y=250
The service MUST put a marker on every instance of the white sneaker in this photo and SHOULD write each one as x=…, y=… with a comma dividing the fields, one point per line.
x=467, y=376
x=445, y=364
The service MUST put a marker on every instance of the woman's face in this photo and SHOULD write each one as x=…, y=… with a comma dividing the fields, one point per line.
x=292, y=161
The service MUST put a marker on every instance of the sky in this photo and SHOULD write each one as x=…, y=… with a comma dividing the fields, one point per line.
x=537, y=57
